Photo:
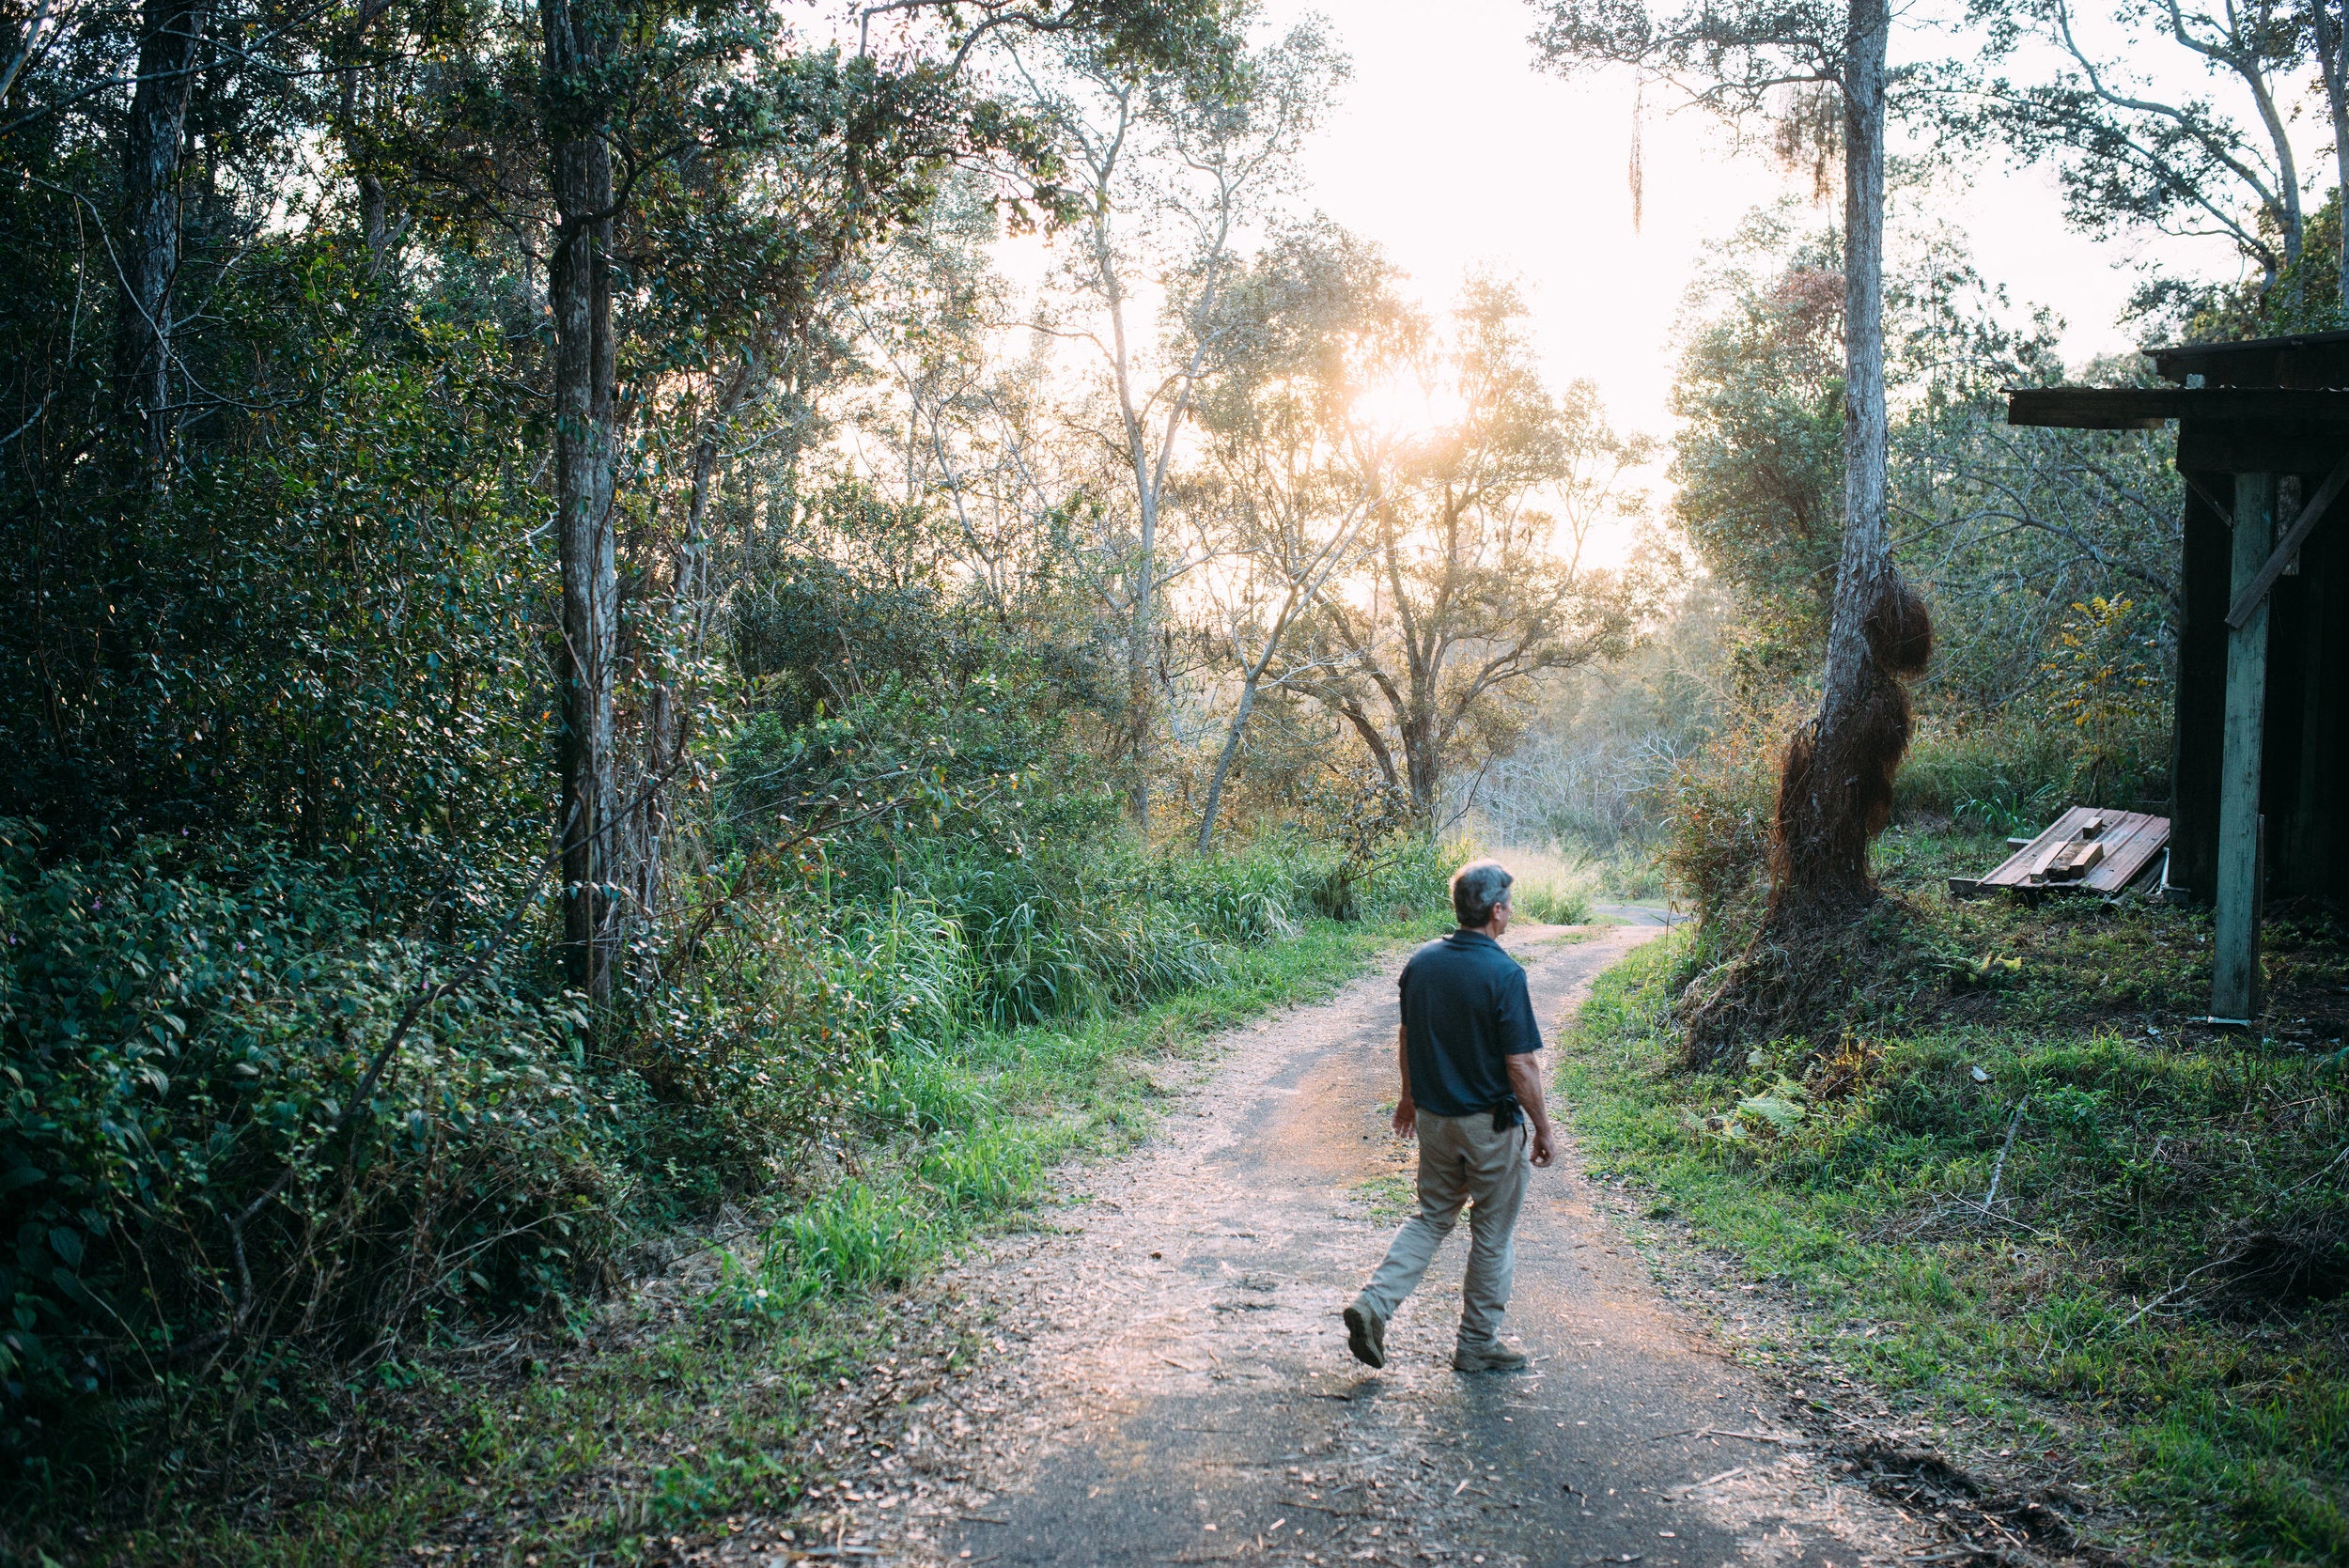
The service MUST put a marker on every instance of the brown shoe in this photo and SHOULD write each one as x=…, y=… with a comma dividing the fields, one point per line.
x=1365, y=1336
x=1495, y=1357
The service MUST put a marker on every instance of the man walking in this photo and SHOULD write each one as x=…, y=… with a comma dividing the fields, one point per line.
x=1465, y=1053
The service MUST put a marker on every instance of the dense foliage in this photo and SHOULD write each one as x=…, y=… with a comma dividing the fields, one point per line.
x=444, y=449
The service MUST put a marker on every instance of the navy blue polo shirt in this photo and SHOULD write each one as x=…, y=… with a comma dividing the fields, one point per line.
x=1466, y=1012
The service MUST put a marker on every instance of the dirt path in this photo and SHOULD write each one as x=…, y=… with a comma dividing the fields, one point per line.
x=1172, y=1384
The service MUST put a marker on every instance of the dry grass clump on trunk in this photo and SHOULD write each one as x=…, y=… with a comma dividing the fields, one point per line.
x=1835, y=784
x=1821, y=942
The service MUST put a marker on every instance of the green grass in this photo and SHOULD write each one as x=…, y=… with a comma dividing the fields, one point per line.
x=1567, y=878
x=1389, y=1197
x=2111, y=1328
x=709, y=1408
x=1553, y=903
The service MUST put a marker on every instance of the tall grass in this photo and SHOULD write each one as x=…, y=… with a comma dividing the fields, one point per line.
x=982, y=999
x=845, y=1069
x=2017, y=774
x=1553, y=903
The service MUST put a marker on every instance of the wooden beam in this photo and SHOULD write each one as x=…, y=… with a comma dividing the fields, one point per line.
x=2304, y=359
x=2093, y=408
x=2294, y=539
x=2143, y=407
x=2234, y=989
x=2199, y=727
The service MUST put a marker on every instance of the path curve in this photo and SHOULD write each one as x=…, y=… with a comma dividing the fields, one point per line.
x=1171, y=1383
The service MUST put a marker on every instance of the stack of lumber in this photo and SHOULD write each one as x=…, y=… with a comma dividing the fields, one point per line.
x=2087, y=849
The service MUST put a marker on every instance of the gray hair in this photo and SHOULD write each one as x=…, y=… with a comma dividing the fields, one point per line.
x=1478, y=889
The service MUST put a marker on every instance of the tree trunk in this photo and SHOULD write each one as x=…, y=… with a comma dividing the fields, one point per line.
x=1223, y=763
x=2334, y=66
x=1140, y=715
x=151, y=144
x=579, y=298
x=1422, y=770
x=374, y=205
x=1374, y=742
x=669, y=705
x=1835, y=785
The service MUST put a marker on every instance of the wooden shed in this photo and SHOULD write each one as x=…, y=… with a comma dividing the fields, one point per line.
x=2258, y=790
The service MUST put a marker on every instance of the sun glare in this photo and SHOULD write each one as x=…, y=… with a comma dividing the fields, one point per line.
x=1407, y=408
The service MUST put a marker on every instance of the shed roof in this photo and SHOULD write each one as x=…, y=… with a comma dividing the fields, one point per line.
x=2305, y=360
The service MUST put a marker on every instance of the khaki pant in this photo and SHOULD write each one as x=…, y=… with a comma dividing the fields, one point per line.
x=1461, y=1160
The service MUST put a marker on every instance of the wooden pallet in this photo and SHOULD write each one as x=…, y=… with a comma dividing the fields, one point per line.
x=2087, y=849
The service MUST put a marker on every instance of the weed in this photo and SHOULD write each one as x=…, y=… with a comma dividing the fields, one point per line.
x=1389, y=1197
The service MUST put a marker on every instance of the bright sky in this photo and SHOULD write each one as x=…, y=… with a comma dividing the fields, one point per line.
x=1451, y=150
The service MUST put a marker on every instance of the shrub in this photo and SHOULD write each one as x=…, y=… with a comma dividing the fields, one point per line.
x=1991, y=778
x=1250, y=897
x=759, y=1040
x=186, y=1176
x=1049, y=940
x=1720, y=838
x=1410, y=875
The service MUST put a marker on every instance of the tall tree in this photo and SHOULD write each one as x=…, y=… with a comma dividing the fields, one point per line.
x=702, y=187
x=2328, y=26
x=1167, y=174
x=1473, y=586
x=1282, y=513
x=2133, y=154
x=582, y=36
x=1835, y=787
x=154, y=137
x=2006, y=527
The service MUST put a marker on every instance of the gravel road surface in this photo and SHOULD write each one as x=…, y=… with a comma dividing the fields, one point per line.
x=1171, y=1382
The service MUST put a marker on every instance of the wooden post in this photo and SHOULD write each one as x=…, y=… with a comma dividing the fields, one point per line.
x=2234, y=987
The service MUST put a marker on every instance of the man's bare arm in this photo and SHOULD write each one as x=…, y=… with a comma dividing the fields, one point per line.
x=1525, y=1081
x=1406, y=1113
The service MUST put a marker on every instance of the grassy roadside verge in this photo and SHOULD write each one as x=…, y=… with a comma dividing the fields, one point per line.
x=703, y=1392
x=2149, y=1317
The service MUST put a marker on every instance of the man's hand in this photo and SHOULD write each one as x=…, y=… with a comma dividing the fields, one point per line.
x=1406, y=1113
x=1525, y=1081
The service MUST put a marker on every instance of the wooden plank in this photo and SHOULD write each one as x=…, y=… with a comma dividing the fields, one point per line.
x=2132, y=850
x=2307, y=849
x=2236, y=446
x=2305, y=359
x=2201, y=696
x=2010, y=872
x=2125, y=843
x=2290, y=546
x=2145, y=408
x=2126, y=837
x=2051, y=857
x=2084, y=408
x=2076, y=860
x=2235, y=958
